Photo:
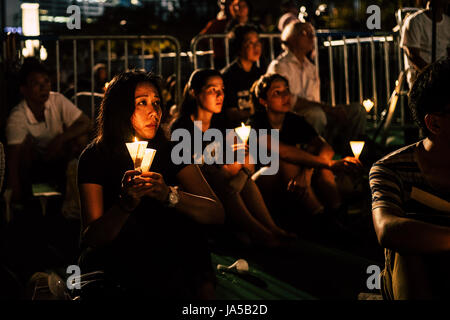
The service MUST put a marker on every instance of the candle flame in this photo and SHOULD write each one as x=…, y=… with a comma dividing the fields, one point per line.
x=135, y=139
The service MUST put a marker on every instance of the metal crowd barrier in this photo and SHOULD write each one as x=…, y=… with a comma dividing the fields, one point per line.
x=359, y=65
x=77, y=42
x=326, y=40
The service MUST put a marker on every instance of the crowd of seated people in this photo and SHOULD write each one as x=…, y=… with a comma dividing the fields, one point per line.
x=244, y=205
x=129, y=218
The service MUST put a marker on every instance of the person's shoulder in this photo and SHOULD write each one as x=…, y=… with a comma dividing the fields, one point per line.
x=258, y=120
x=182, y=122
x=417, y=17
x=280, y=61
x=18, y=111
x=58, y=100
x=92, y=150
x=230, y=69
x=56, y=97
x=402, y=156
x=446, y=18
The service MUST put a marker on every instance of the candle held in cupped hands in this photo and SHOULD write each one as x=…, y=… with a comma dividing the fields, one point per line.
x=357, y=147
x=243, y=132
x=368, y=105
x=137, y=151
x=148, y=159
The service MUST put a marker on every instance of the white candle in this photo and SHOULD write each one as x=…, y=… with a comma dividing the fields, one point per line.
x=243, y=132
x=148, y=159
x=357, y=147
x=137, y=151
x=368, y=105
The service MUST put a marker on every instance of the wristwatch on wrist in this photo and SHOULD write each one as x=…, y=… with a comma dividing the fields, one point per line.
x=173, y=197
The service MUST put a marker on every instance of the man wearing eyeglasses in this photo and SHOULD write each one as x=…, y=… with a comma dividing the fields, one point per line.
x=337, y=124
x=411, y=197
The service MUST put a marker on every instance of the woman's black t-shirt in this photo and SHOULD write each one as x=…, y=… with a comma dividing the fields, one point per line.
x=217, y=122
x=295, y=131
x=156, y=240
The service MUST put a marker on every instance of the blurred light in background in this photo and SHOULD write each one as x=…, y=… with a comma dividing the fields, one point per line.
x=30, y=27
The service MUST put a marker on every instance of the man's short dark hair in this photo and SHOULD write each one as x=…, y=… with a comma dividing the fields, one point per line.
x=29, y=66
x=430, y=92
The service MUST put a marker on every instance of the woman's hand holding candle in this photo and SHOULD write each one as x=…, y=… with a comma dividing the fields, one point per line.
x=157, y=188
x=243, y=132
x=132, y=190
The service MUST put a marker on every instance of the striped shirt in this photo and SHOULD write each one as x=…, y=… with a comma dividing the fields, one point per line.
x=397, y=182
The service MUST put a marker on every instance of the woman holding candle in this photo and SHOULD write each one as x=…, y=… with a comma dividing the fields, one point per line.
x=245, y=208
x=307, y=167
x=143, y=228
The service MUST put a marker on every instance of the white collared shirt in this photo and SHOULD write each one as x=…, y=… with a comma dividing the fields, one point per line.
x=416, y=33
x=303, y=79
x=59, y=113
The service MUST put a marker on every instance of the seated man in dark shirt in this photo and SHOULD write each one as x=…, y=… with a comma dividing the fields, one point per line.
x=307, y=167
x=239, y=76
x=411, y=197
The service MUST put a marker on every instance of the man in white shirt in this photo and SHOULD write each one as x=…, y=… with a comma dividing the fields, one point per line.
x=347, y=122
x=416, y=37
x=43, y=131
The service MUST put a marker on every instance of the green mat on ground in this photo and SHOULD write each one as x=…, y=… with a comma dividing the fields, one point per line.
x=257, y=285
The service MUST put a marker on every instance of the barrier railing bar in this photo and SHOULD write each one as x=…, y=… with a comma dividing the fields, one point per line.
x=374, y=81
x=386, y=69
x=211, y=57
x=58, y=69
x=75, y=71
x=330, y=60
x=272, y=53
x=142, y=54
x=109, y=58
x=227, y=50
x=358, y=49
x=402, y=102
x=316, y=58
x=91, y=47
x=125, y=56
x=347, y=90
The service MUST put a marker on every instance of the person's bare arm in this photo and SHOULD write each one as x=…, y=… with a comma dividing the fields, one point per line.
x=302, y=103
x=100, y=227
x=408, y=235
x=78, y=128
x=416, y=59
x=294, y=155
x=323, y=160
x=197, y=199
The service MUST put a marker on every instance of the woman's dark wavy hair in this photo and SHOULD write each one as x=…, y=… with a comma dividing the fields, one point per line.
x=237, y=36
x=430, y=92
x=196, y=82
x=114, y=120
